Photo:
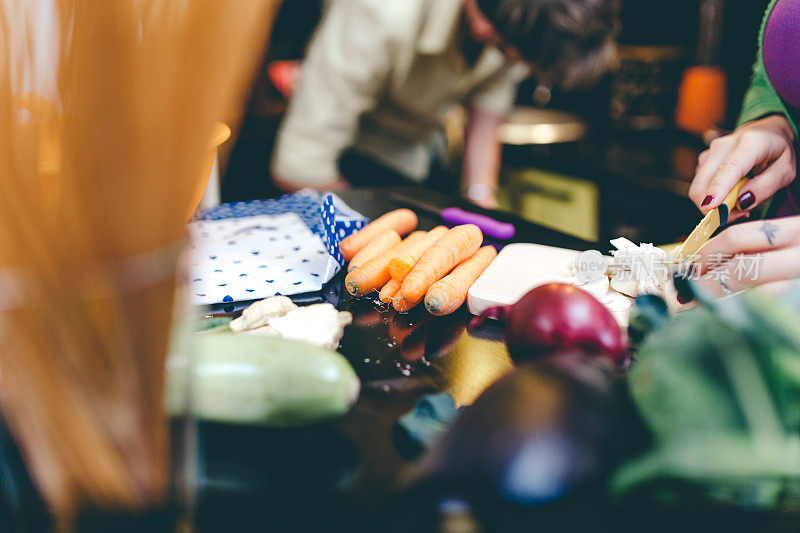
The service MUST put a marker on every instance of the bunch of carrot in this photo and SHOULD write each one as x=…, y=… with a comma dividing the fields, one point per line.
x=437, y=266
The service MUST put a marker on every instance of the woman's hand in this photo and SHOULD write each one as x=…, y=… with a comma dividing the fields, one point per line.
x=763, y=148
x=762, y=252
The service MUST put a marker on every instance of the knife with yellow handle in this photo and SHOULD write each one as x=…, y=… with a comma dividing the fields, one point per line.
x=715, y=219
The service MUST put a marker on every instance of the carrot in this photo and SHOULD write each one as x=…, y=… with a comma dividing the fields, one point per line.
x=374, y=274
x=389, y=290
x=380, y=244
x=458, y=244
x=403, y=221
x=401, y=265
x=402, y=305
x=447, y=294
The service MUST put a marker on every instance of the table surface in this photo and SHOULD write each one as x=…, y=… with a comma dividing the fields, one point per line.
x=347, y=472
x=353, y=460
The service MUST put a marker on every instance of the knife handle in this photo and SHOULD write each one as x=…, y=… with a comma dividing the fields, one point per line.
x=489, y=226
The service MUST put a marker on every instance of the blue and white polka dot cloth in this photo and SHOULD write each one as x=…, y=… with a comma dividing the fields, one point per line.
x=249, y=250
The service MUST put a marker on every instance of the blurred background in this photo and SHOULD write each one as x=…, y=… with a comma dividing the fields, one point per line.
x=600, y=163
x=83, y=361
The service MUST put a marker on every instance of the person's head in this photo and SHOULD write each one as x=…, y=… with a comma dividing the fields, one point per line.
x=566, y=41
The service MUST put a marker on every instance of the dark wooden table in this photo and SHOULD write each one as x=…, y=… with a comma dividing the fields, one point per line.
x=342, y=472
x=348, y=474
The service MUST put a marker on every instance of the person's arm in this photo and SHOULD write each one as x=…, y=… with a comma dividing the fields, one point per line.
x=482, y=157
x=761, y=98
x=348, y=63
x=761, y=145
x=489, y=106
x=763, y=148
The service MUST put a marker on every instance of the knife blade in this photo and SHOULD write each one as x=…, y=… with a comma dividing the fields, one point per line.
x=715, y=219
x=455, y=215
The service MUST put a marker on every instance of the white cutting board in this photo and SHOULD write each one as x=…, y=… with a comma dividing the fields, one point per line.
x=517, y=269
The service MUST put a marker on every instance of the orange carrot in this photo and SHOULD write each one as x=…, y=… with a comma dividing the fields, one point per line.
x=402, y=305
x=374, y=274
x=459, y=243
x=380, y=244
x=403, y=221
x=400, y=266
x=447, y=294
x=389, y=290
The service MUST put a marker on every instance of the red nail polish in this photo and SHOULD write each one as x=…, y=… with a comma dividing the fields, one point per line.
x=746, y=200
x=707, y=200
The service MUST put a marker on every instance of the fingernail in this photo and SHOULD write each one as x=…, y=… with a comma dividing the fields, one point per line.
x=746, y=200
x=707, y=200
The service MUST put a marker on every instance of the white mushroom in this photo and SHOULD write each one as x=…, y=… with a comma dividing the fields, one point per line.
x=266, y=331
x=626, y=284
x=597, y=288
x=277, y=316
x=319, y=324
x=616, y=302
x=638, y=269
x=259, y=313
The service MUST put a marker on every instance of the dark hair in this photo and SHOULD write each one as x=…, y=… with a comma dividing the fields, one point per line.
x=568, y=41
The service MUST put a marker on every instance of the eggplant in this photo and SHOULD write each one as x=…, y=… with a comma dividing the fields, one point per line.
x=543, y=438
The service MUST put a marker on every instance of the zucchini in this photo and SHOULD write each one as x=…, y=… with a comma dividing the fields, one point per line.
x=214, y=324
x=269, y=381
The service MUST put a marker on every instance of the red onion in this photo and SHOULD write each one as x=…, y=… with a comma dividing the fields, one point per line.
x=556, y=316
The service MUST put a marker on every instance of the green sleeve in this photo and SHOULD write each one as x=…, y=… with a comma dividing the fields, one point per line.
x=761, y=99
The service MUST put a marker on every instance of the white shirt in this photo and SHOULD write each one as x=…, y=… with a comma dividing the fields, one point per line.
x=380, y=76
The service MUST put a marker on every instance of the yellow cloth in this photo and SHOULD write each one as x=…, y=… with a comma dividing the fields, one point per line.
x=380, y=76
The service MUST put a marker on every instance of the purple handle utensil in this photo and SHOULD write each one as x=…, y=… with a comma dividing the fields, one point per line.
x=489, y=226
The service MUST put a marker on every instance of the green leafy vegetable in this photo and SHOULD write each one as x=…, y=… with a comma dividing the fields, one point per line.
x=719, y=388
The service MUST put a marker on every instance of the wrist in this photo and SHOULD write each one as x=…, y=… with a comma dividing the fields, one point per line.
x=479, y=192
x=780, y=124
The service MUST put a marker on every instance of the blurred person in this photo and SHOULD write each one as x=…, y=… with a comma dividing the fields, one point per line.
x=380, y=76
x=763, y=146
